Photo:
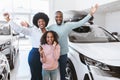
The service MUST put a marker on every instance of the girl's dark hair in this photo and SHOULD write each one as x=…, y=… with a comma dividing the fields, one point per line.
x=40, y=15
x=43, y=38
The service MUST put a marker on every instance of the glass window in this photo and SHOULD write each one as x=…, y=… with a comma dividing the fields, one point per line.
x=21, y=17
x=23, y=9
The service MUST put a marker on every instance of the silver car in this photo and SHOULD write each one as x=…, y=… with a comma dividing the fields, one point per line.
x=4, y=68
x=9, y=43
x=94, y=54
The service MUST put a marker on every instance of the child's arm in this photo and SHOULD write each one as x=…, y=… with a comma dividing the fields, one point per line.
x=41, y=51
x=42, y=55
x=43, y=59
x=57, y=52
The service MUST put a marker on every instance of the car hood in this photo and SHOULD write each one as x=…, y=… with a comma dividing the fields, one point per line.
x=108, y=53
x=4, y=39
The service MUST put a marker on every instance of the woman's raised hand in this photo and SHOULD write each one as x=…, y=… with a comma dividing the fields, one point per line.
x=24, y=23
x=7, y=16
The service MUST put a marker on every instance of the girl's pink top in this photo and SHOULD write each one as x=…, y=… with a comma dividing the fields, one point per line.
x=50, y=57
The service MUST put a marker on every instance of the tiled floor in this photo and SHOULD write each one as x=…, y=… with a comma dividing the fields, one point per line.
x=21, y=70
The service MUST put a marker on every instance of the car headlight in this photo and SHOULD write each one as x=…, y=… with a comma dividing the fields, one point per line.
x=92, y=62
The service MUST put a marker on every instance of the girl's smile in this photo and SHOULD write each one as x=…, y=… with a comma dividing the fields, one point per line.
x=50, y=38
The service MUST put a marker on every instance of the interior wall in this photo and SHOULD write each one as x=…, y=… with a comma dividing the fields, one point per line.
x=85, y=4
x=113, y=21
x=65, y=5
x=99, y=19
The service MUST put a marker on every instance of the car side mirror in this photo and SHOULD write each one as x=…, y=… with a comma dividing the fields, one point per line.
x=115, y=34
x=15, y=34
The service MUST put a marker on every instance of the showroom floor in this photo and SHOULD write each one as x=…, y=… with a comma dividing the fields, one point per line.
x=21, y=70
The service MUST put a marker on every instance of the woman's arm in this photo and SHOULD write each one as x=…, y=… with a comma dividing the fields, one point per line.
x=16, y=27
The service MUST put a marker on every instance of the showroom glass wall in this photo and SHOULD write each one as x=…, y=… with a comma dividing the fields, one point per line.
x=23, y=10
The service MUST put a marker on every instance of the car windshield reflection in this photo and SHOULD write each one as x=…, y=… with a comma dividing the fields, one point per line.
x=91, y=34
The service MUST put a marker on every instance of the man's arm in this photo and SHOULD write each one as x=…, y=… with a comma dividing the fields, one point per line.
x=72, y=25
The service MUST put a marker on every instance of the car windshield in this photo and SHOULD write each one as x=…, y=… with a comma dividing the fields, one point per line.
x=90, y=34
x=4, y=30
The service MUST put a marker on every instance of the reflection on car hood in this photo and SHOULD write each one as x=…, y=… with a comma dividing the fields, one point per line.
x=108, y=53
x=4, y=39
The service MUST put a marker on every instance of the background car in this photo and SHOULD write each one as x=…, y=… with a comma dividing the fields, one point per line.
x=4, y=68
x=9, y=43
x=93, y=52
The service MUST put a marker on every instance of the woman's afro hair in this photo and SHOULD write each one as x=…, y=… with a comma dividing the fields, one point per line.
x=40, y=15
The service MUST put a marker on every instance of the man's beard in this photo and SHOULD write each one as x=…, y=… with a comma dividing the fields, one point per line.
x=59, y=23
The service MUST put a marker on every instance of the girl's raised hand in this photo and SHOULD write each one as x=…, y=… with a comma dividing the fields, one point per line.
x=24, y=23
x=54, y=43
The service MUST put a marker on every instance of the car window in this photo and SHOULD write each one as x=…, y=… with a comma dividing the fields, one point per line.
x=90, y=34
x=4, y=30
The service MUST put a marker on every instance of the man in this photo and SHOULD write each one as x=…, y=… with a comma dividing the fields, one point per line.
x=63, y=29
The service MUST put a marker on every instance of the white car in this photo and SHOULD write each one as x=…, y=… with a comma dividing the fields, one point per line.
x=9, y=43
x=94, y=54
x=4, y=68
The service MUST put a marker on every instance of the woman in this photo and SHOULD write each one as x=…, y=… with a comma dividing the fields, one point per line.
x=40, y=20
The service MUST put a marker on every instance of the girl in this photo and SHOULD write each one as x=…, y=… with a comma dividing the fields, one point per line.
x=49, y=53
